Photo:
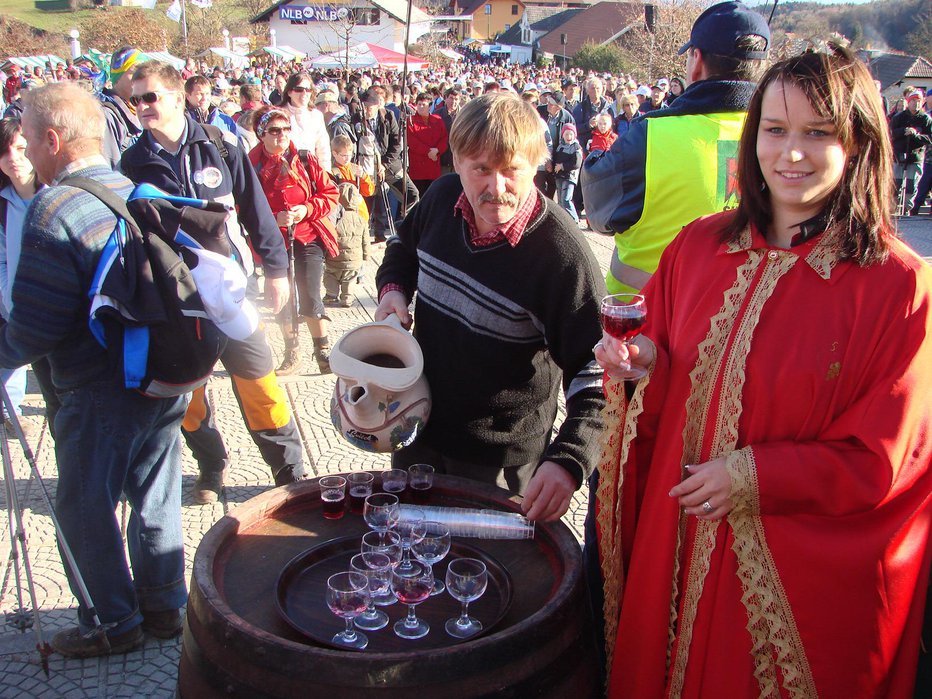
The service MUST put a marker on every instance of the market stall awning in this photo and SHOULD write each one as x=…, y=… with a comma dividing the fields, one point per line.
x=166, y=57
x=236, y=59
x=368, y=55
x=452, y=55
x=35, y=61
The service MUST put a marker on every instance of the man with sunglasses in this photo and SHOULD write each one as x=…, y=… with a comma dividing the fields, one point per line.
x=122, y=125
x=182, y=157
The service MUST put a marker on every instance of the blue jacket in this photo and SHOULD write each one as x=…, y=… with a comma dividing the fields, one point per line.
x=613, y=181
x=206, y=175
x=215, y=117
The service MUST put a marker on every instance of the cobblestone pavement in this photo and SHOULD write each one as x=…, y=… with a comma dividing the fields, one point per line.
x=151, y=671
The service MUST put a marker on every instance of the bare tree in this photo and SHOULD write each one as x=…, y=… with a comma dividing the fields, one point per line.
x=343, y=23
x=652, y=52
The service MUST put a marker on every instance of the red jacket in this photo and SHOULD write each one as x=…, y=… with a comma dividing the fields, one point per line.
x=422, y=136
x=293, y=185
x=602, y=141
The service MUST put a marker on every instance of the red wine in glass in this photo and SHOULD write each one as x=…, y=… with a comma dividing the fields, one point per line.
x=413, y=592
x=332, y=503
x=622, y=317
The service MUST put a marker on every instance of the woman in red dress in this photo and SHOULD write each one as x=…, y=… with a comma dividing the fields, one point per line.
x=301, y=195
x=427, y=140
x=763, y=501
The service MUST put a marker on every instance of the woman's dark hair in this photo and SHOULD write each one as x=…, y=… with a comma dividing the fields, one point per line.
x=676, y=80
x=9, y=128
x=840, y=88
x=293, y=81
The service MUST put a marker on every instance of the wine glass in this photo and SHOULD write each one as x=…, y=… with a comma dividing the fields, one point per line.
x=467, y=579
x=381, y=512
x=412, y=588
x=411, y=529
x=377, y=567
x=391, y=547
x=433, y=548
x=622, y=317
x=348, y=597
x=394, y=480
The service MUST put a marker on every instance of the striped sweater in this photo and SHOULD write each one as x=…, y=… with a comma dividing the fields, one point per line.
x=501, y=328
x=65, y=231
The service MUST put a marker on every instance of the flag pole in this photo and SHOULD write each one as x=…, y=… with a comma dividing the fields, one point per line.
x=184, y=26
x=404, y=114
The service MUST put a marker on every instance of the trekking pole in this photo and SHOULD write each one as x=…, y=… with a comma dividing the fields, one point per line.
x=98, y=634
x=292, y=286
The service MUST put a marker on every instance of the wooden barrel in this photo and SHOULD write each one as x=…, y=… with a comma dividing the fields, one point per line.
x=236, y=643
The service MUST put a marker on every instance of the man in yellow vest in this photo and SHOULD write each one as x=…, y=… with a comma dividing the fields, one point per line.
x=677, y=164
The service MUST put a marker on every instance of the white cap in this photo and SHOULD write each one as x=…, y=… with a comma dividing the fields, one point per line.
x=221, y=284
x=643, y=90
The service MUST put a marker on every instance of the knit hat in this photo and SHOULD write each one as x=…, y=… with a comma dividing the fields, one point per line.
x=568, y=127
x=914, y=95
x=123, y=61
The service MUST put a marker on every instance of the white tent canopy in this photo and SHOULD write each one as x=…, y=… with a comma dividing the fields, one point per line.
x=36, y=61
x=235, y=59
x=367, y=55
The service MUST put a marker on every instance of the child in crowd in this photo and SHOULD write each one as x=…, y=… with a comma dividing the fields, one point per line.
x=603, y=136
x=566, y=162
x=345, y=170
x=353, y=238
x=352, y=222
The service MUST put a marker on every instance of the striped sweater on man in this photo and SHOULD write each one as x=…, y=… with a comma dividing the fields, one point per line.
x=65, y=232
x=501, y=328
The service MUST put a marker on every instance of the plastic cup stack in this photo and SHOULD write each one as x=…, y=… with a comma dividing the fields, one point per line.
x=474, y=523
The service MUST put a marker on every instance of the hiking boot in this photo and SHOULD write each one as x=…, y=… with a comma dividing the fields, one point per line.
x=73, y=644
x=328, y=299
x=347, y=301
x=165, y=624
x=289, y=364
x=207, y=487
x=287, y=475
x=322, y=354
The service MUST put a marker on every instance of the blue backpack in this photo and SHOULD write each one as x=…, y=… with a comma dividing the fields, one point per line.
x=145, y=306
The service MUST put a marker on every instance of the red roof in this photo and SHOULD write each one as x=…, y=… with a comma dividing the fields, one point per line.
x=597, y=24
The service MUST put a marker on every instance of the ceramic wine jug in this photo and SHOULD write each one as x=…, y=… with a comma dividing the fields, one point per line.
x=381, y=400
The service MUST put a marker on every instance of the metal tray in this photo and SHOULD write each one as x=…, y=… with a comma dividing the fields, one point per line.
x=302, y=588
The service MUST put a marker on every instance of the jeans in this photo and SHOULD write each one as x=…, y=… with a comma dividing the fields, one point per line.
x=923, y=188
x=308, y=274
x=565, y=197
x=15, y=382
x=907, y=177
x=112, y=442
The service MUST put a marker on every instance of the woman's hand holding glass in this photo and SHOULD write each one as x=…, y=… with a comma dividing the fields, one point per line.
x=624, y=360
x=706, y=491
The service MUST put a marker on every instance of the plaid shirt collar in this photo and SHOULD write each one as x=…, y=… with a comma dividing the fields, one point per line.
x=511, y=230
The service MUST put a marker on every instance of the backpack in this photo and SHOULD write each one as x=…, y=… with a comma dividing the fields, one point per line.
x=145, y=306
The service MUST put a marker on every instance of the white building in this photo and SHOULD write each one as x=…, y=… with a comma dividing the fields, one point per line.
x=324, y=27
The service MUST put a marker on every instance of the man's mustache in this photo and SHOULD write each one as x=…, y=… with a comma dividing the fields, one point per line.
x=504, y=199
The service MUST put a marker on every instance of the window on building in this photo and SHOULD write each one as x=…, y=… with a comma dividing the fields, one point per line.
x=514, y=10
x=366, y=16
x=507, y=27
x=525, y=35
x=488, y=9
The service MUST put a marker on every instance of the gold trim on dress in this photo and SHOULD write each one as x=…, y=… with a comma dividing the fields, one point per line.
x=615, y=448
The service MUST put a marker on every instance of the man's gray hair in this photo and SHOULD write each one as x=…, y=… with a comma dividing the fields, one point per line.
x=73, y=113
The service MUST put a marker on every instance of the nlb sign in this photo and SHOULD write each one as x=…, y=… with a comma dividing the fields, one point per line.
x=313, y=13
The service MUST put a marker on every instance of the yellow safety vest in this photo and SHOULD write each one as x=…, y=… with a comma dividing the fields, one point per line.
x=691, y=171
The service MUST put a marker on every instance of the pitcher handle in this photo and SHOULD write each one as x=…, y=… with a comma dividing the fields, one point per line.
x=393, y=320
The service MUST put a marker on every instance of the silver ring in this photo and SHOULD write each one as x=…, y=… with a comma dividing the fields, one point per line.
x=707, y=507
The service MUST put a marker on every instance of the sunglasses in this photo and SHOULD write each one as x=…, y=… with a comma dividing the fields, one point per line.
x=299, y=88
x=147, y=97
x=278, y=130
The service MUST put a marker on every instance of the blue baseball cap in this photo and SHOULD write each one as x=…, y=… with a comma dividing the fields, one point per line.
x=717, y=29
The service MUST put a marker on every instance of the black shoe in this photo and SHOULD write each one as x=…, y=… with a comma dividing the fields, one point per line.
x=207, y=487
x=73, y=644
x=287, y=475
x=166, y=624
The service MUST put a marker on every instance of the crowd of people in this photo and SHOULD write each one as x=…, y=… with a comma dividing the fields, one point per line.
x=758, y=457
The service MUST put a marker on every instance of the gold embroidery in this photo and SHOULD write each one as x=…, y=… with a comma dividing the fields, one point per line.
x=775, y=636
x=702, y=379
x=824, y=257
x=834, y=370
x=790, y=659
x=615, y=448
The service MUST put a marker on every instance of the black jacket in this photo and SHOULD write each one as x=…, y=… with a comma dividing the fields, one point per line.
x=388, y=141
x=237, y=185
x=910, y=149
